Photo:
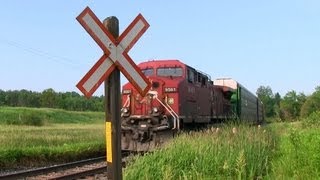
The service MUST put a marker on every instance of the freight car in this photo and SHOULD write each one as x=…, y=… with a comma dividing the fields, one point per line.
x=245, y=105
x=180, y=96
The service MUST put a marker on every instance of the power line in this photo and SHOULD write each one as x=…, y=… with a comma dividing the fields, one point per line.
x=38, y=52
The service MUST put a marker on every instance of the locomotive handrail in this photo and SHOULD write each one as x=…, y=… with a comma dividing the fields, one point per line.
x=170, y=110
x=127, y=101
x=177, y=119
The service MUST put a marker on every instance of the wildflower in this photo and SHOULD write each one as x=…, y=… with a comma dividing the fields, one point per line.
x=234, y=130
x=225, y=165
x=259, y=126
x=217, y=130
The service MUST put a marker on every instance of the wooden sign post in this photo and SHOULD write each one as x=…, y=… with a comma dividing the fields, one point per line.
x=114, y=59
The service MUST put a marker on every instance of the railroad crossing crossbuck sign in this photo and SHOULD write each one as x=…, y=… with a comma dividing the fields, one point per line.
x=115, y=53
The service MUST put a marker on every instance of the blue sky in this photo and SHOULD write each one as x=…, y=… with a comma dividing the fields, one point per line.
x=274, y=43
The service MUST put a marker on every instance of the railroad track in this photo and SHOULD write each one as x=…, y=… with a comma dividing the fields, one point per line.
x=74, y=170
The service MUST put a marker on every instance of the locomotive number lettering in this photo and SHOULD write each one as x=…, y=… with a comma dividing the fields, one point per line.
x=170, y=89
x=191, y=90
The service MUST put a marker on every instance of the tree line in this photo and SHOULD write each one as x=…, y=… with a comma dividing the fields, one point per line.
x=291, y=106
x=50, y=99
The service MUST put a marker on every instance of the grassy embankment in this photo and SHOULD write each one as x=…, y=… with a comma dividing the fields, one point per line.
x=227, y=152
x=34, y=137
x=275, y=151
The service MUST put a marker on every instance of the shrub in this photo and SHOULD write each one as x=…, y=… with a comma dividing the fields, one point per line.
x=312, y=120
x=311, y=105
x=32, y=118
x=22, y=117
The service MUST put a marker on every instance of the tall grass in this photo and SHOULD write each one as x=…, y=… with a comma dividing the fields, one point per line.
x=34, y=146
x=37, y=136
x=313, y=120
x=298, y=155
x=230, y=152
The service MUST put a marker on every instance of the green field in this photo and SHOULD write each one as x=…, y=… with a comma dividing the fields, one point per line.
x=45, y=116
x=60, y=137
x=31, y=137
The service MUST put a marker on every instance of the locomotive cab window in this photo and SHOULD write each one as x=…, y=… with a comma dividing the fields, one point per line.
x=199, y=77
x=170, y=71
x=204, y=81
x=191, y=75
x=148, y=72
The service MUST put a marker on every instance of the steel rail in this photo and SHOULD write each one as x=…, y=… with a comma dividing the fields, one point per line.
x=81, y=174
x=43, y=170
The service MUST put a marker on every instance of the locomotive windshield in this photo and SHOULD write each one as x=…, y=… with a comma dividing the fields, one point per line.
x=147, y=72
x=170, y=71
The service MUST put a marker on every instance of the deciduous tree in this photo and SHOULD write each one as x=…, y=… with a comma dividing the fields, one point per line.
x=291, y=104
x=312, y=104
x=265, y=94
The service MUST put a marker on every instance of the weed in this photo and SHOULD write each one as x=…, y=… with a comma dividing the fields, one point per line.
x=241, y=164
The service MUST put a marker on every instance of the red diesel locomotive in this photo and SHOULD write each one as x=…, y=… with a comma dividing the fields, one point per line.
x=180, y=96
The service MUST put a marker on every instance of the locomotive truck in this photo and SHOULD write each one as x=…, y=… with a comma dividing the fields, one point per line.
x=180, y=97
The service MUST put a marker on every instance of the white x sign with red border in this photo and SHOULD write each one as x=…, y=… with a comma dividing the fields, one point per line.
x=115, y=53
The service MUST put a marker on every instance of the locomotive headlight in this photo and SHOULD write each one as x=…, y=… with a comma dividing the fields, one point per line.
x=170, y=100
x=155, y=109
x=126, y=91
x=125, y=110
